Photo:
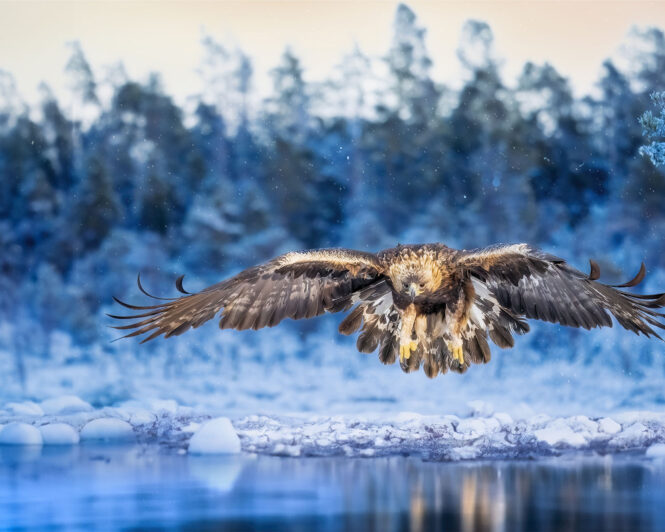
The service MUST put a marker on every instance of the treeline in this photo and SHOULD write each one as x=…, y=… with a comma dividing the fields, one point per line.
x=120, y=179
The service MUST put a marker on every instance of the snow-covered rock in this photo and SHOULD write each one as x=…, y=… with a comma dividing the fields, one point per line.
x=583, y=426
x=65, y=404
x=20, y=434
x=216, y=436
x=504, y=419
x=559, y=432
x=632, y=437
x=295, y=450
x=476, y=427
x=107, y=430
x=59, y=434
x=142, y=417
x=464, y=452
x=608, y=426
x=26, y=408
x=191, y=428
x=657, y=450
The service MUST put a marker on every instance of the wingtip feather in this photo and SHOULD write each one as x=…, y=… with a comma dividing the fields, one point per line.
x=594, y=274
x=635, y=280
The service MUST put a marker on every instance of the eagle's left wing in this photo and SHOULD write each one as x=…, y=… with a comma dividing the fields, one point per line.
x=295, y=285
x=534, y=284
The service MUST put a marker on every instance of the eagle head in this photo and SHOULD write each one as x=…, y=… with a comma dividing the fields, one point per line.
x=418, y=282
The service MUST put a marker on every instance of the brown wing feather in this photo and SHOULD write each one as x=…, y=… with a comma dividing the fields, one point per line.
x=535, y=284
x=295, y=285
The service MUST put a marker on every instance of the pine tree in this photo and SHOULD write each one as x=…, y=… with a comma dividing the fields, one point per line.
x=644, y=52
x=409, y=66
x=62, y=136
x=94, y=210
x=308, y=199
x=288, y=108
x=150, y=143
x=80, y=77
x=479, y=124
x=617, y=131
x=654, y=130
x=570, y=171
x=226, y=74
x=11, y=104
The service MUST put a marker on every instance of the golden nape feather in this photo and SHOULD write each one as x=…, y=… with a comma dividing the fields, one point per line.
x=427, y=305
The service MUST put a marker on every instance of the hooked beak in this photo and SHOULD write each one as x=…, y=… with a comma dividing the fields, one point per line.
x=414, y=290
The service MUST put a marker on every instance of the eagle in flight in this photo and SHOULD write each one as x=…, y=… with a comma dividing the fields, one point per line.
x=427, y=305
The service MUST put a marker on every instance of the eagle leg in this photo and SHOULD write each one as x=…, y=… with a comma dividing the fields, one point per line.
x=457, y=322
x=406, y=343
x=456, y=349
x=406, y=349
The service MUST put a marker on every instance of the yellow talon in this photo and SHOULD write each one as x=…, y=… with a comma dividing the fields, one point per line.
x=405, y=350
x=457, y=352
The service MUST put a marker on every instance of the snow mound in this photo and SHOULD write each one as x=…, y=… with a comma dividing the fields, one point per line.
x=142, y=417
x=26, y=408
x=556, y=436
x=66, y=404
x=107, y=430
x=20, y=434
x=217, y=436
x=608, y=426
x=572, y=432
x=657, y=450
x=59, y=434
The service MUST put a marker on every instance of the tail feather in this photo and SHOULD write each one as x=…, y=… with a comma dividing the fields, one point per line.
x=481, y=340
x=413, y=362
x=472, y=350
x=389, y=348
x=436, y=358
x=352, y=322
x=369, y=339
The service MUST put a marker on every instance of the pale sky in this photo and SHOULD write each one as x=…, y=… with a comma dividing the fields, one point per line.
x=165, y=36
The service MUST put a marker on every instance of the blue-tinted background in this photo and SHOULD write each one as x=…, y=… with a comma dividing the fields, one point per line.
x=128, y=181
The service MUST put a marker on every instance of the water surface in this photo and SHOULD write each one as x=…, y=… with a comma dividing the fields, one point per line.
x=147, y=487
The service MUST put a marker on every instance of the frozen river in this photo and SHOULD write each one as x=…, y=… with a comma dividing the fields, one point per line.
x=145, y=486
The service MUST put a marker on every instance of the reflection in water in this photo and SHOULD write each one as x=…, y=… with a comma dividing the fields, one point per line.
x=138, y=487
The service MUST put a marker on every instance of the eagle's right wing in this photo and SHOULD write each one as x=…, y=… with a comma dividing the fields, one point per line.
x=534, y=284
x=295, y=285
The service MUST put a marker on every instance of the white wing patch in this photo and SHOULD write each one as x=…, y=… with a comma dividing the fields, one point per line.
x=491, y=318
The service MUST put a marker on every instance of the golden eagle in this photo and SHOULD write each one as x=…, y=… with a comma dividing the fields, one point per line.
x=427, y=304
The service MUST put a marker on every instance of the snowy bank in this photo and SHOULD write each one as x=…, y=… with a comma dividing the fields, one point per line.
x=448, y=437
x=480, y=433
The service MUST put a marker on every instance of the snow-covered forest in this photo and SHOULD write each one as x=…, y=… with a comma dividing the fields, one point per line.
x=116, y=179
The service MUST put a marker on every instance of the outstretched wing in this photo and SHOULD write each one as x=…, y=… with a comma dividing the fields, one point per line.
x=295, y=285
x=534, y=284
